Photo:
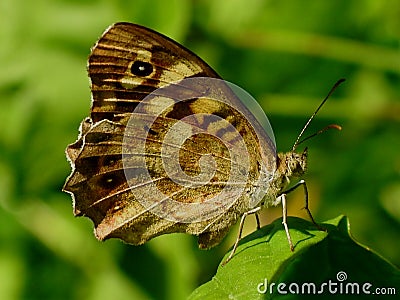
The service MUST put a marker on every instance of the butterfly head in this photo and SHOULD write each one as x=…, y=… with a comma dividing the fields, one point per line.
x=292, y=164
x=289, y=165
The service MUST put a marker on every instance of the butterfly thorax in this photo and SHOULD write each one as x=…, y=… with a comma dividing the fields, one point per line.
x=289, y=165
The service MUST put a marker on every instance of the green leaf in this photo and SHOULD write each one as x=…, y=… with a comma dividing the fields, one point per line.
x=263, y=260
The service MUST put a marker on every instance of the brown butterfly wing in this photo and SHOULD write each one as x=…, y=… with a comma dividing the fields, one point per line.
x=130, y=61
x=127, y=64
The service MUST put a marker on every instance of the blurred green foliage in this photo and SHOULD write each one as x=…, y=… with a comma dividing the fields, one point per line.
x=287, y=54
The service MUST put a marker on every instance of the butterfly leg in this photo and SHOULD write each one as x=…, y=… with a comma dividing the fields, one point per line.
x=253, y=211
x=257, y=220
x=303, y=183
x=284, y=216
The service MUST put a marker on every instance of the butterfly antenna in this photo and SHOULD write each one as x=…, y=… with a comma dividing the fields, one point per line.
x=340, y=81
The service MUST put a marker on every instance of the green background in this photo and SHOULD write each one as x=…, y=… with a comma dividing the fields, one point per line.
x=287, y=54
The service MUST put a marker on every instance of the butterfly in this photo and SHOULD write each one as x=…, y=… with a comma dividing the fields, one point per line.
x=169, y=147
